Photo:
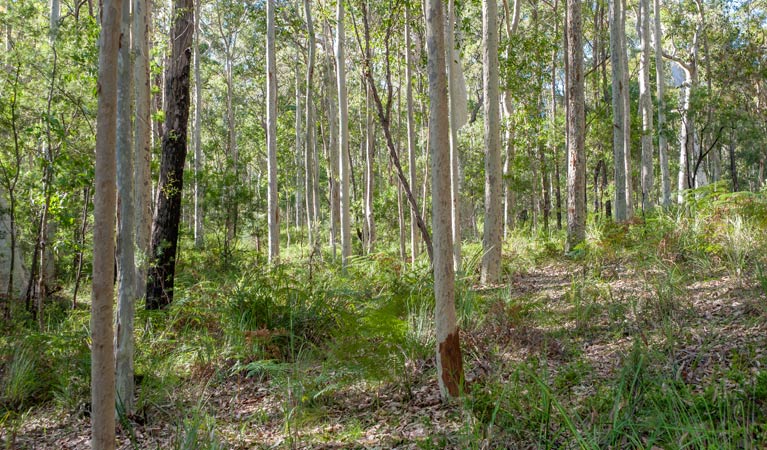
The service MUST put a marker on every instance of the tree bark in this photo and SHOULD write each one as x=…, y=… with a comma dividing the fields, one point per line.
x=343, y=137
x=491, y=241
x=370, y=226
x=311, y=214
x=411, y=138
x=449, y=360
x=273, y=220
x=126, y=275
x=576, y=129
x=645, y=106
x=199, y=231
x=619, y=131
x=661, y=86
x=142, y=141
x=102, y=348
x=457, y=119
x=174, y=147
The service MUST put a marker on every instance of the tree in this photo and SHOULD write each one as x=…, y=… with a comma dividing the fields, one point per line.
x=576, y=129
x=273, y=220
x=199, y=231
x=491, y=241
x=645, y=105
x=620, y=152
x=411, y=139
x=126, y=297
x=449, y=360
x=102, y=347
x=661, y=85
x=142, y=141
x=168, y=205
x=343, y=136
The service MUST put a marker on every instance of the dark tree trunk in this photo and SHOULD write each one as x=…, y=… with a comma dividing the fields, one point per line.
x=159, y=292
x=733, y=169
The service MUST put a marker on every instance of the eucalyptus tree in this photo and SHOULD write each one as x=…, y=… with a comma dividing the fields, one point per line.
x=199, y=230
x=645, y=104
x=343, y=136
x=102, y=347
x=449, y=360
x=271, y=136
x=621, y=153
x=576, y=128
x=411, y=137
x=126, y=293
x=169, y=188
x=660, y=81
x=142, y=140
x=491, y=241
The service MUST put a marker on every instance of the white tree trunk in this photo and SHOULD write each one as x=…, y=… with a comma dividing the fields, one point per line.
x=491, y=241
x=102, y=334
x=411, y=138
x=661, y=85
x=273, y=220
x=645, y=106
x=449, y=361
x=626, y=112
x=619, y=149
x=457, y=116
x=343, y=137
x=331, y=90
x=576, y=129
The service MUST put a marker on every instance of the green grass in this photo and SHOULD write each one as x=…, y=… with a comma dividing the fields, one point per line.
x=613, y=356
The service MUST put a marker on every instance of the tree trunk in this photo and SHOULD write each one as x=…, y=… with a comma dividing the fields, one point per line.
x=449, y=360
x=733, y=167
x=331, y=90
x=126, y=296
x=576, y=129
x=311, y=214
x=199, y=232
x=370, y=226
x=142, y=141
x=411, y=138
x=645, y=106
x=343, y=137
x=457, y=119
x=273, y=219
x=168, y=205
x=491, y=241
x=102, y=348
x=625, y=90
x=619, y=131
x=661, y=85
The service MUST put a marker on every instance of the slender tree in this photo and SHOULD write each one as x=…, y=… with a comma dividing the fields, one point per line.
x=199, y=231
x=343, y=136
x=576, y=128
x=126, y=293
x=273, y=220
x=142, y=141
x=660, y=82
x=168, y=204
x=411, y=138
x=619, y=149
x=449, y=360
x=102, y=335
x=645, y=105
x=491, y=241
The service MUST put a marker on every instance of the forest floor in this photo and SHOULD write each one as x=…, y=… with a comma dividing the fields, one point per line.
x=657, y=346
